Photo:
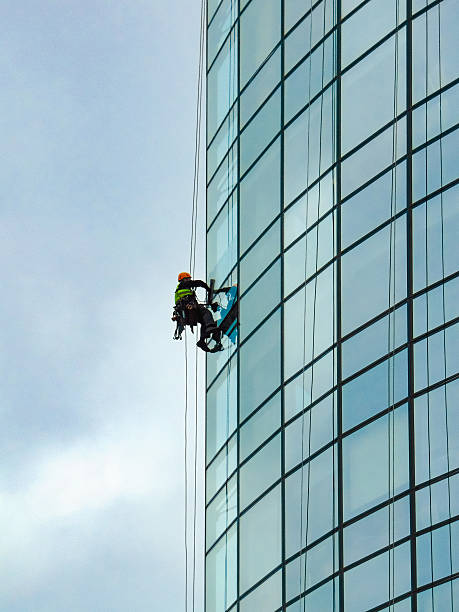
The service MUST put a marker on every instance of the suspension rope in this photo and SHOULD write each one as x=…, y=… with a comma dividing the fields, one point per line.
x=192, y=262
x=194, y=212
x=186, y=471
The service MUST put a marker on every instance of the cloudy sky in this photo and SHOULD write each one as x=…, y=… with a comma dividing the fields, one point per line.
x=97, y=111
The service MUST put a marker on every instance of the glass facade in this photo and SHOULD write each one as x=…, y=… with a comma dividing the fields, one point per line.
x=332, y=452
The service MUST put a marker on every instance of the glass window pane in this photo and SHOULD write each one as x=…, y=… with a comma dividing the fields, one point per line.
x=372, y=158
x=318, y=200
x=260, y=365
x=221, y=512
x=309, y=254
x=316, y=566
x=260, y=196
x=367, y=94
x=366, y=273
x=222, y=85
x=260, y=31
x=436, y=445
x=267, y=597
x=368, y=462
x=221, y=409
x=219, y=28
x=367, y=26
x=309, y=78
x=222, y=142
x=260, y=300
x=259, y=257
x=370, y=584
x=323, y=428
x=223, y=466
x=260, y=87
x=221, y=573
x=377, y=530
x=374, y=341
x=431, y=238
x=308, y=146
x=260, y=471
x=260, y=539
x=262, y=424
x=222, y=184
x=318, y=502
x=263, y=127
x=316, y=311
x=298, y=391
x=368, y=394
x=222, y=243
x=373, y=205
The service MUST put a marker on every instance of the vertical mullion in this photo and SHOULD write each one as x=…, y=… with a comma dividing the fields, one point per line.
x=338, y=308
x=409, y=250
x=238, y=537
x=281, y=187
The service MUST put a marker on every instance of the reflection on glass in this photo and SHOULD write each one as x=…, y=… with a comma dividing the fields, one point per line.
x=223, y=466
x=371, y=583
x=371, y=471
x=222, y=243
x=260, y=196
x=222, y=142
x=260, y=31
x=221, y=512
x=260, y=471
x=367, y=94
x=222, y=85
x=263, y=127
x=309, y=322
x=221, y=409
x=221, y=573
x=260, y=87
x=367, y=26
x=260, y=539
x=262, y=424
x=266, y=597
x=313, y=493
x=219, y=28
x=222, y=184
x=260, y=300
x=366, y=272
x=308, y=146
x=260, y=365
x=259, y=257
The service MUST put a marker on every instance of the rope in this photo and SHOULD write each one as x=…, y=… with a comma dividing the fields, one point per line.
x=194, y=212
x=192, y=262
x=186, y=471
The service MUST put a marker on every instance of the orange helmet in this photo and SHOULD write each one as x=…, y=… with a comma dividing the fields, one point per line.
x=183, y=275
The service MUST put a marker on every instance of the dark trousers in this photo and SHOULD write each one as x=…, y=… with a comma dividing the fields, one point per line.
x=208, y=325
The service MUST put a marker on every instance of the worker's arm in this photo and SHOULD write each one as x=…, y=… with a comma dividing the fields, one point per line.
x=193, y=284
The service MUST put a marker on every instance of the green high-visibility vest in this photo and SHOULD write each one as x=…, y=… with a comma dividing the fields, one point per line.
x=181, y=293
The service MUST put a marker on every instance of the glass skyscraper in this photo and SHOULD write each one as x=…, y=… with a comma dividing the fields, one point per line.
x=332, y=426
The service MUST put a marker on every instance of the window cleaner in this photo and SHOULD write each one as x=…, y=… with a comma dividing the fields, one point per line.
x=189, y=311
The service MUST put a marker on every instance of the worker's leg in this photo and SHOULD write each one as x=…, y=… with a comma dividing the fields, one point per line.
x=208, y=325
